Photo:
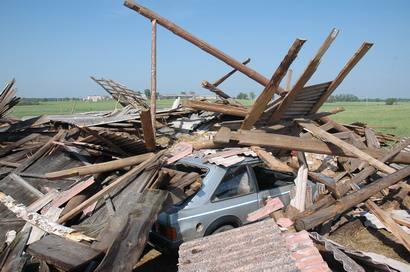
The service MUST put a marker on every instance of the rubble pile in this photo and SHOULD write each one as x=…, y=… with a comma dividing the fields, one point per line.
x=81, y=192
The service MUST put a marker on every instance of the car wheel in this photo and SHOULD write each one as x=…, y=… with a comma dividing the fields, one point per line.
x=223, y=228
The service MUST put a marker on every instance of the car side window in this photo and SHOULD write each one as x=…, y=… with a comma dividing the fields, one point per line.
x=236, y=182
x=269, y=179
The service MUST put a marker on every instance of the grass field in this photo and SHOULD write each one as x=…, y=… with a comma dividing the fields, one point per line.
x=373, y=113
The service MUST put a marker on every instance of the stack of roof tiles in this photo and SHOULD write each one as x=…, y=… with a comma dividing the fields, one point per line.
x=256, y=247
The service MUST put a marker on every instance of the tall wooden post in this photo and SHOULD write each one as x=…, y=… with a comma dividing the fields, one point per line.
x=153, y=72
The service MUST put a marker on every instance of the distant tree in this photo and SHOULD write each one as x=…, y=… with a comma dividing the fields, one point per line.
x=345, y=98
x=192, y=93
x=147, y=93
x=242, y=96
x=331, y=99
x=391, y=101
x=183, y=93
x=252, y=95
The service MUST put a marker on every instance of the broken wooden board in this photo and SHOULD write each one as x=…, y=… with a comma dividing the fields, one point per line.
x=126, y=249
x=62, y=253
x=285, y=142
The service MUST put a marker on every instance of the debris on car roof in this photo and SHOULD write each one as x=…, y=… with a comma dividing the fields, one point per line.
x=82, y=191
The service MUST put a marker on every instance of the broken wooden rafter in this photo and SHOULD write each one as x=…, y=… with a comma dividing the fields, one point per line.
x=272, y=162
x=263, y=99
x=124, y=178
x=213, y=107
x=41, y=221
x=304, y=78
x=148, y=129
x=346, y=146
x=342, y=74
x=99, y=167
x=177, y=30
x=225, y=77
x=351, y=200
x=285, y=142
x=345, y=186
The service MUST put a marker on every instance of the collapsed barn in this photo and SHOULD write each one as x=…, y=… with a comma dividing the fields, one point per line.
x=81, y=192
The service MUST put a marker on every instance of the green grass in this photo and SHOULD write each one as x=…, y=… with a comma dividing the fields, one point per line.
x=375, y=114
x=372, y=113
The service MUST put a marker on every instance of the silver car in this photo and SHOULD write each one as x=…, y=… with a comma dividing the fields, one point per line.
x=226, y=197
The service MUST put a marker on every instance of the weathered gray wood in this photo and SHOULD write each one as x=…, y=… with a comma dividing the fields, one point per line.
x=62, y=253
x=351, y=200
x=127, y=248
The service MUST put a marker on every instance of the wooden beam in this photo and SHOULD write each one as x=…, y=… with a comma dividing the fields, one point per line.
x=62, y=253
x=289, y=80
x=345, y=186
x=26, y=185
x=272, y=162
x=132, y=234
x=347, y=147
x=391, y=225
x=179, y=31
x=285, y=142
x=148, y=129
x=351, y=200
x=304, y=78
x=99, y=167
x=263, y=99
x=207, y=106
x=342, y=74
x=124, y=178
x=225, y=77
x=153, y=106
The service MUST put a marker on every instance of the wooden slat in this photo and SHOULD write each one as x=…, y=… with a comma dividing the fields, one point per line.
x=249, y=138
x=347, y=147
x=263, y=99
x=225, y=109
x=148, y=129
x=342, y=74
x=62, y=253
x=304, y=78
x=99, y=167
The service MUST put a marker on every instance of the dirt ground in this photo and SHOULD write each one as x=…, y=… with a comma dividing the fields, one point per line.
x=154, y=261
x=355, y=236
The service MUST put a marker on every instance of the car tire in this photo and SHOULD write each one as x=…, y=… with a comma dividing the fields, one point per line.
x=223, y=228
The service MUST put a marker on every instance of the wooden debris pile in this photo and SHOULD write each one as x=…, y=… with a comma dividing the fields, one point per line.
x=81, y=192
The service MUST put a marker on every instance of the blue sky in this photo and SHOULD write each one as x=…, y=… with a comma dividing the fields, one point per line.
x=52, y=47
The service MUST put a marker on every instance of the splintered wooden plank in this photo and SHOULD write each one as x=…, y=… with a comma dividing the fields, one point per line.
x=347, y=147
x=225, y=109
x=62, y=253
x=98, y=167
x=279, y=141
x=342, y=74
x=263, y=99
x=304, y=78
x=131, y=237
x=179, y=31
x=148, y=129
x=272, y=162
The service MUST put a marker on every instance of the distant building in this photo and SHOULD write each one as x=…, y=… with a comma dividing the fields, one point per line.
x=95, y=98
x=189, y=95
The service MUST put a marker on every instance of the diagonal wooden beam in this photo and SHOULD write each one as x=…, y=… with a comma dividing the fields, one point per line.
x=318, y=132
x=304, y=78
x=342, y=74
x=225, y=77
x=179, y=31
x=263, y=99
